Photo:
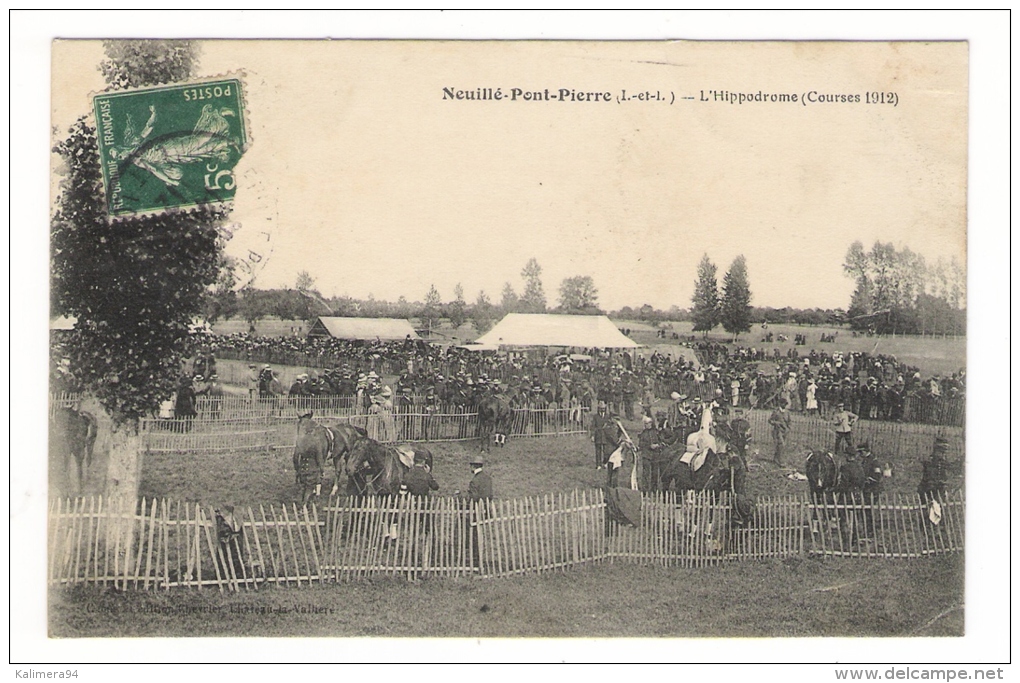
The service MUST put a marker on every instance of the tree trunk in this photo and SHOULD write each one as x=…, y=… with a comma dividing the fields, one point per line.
x=124, y=463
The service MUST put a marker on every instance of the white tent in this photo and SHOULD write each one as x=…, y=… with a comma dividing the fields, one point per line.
x=362, y=328
x=542, y=329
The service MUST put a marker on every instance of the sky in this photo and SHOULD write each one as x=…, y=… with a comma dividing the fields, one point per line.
x=361, y=173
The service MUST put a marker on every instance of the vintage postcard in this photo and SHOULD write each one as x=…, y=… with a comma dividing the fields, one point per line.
x=525, y=339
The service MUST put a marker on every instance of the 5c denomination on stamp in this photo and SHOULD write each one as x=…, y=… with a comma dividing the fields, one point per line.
x=170, y=147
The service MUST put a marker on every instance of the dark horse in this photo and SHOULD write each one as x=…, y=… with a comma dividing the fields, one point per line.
x=699, y=471
x=493, y=420
x=380, y=466
x=822, y=473
x=74, y=432
x=823, y=479
x=316, y=445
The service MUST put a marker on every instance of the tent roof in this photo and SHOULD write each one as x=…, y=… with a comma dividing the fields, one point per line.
x=363, y=328
x=542, y=329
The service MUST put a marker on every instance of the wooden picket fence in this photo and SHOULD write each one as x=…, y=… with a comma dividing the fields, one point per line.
x=160, y=544
x=696, y=530
x=887, y=525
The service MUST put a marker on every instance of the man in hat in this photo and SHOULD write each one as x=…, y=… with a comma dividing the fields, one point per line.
x=629, y=391
x=873, y=473
x=935, y=471
x=253, y=382
x=779, y=421
x=299, y=387
x=740, y=434
x=843, y=421
x=480, y=487
x=873, y=476
x=419, y=481
x=265, y=378
x=649, y=446
x=605, y=433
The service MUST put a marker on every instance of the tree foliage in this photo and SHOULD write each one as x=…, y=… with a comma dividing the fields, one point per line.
x=482, y=313
x=221, y=299
x=431, y=313
x=305, y=282
x=136, y=284
x=533, y=298
x=136, y=63
x=579, y=295
x=896, y=290
x=456, y=310
x=705, y=310
x=508, y=299
x=735, y=309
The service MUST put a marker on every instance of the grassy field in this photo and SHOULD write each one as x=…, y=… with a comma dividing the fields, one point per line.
x=796, y=597
x=524, y=467
x=932, y=355
x=791, y=598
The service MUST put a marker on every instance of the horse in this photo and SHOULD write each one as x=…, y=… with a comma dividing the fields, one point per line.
x=75, y=432
x=822, y=473
x=701, y=470
x=345, y=437
x=823, y=482
x=382, y=466
x=315, y=446
x=493, y=420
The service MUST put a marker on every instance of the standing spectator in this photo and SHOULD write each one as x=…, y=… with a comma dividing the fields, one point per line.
x=480, y=489
x=740, y=434
x=604, y=433
x=615, y=460
x=629, y=392
x=675, y=417
x=215, y=393
x=186, y=408
x=935, y=472
x=779, y=420
x=649, y=445
x=873, y=476
x=844, y=422
x=253, y=382
x=648, y=398
x=810, y=398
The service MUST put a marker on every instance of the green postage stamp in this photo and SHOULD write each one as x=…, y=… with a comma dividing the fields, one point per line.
x=170, y=147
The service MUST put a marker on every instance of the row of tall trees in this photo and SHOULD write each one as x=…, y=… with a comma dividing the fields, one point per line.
x=898, y=291
x=577, y=295
x=732, y=308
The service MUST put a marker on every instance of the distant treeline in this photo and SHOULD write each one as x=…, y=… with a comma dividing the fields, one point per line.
x=759, y=314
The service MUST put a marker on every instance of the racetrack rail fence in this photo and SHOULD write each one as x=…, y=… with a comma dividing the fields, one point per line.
x=240, y=424
x=163, y=545
x=275, y=431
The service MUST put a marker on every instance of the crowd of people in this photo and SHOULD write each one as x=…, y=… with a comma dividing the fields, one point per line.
x=873, y=386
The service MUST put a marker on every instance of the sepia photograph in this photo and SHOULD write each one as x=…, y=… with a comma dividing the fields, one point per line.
x=502, y=340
